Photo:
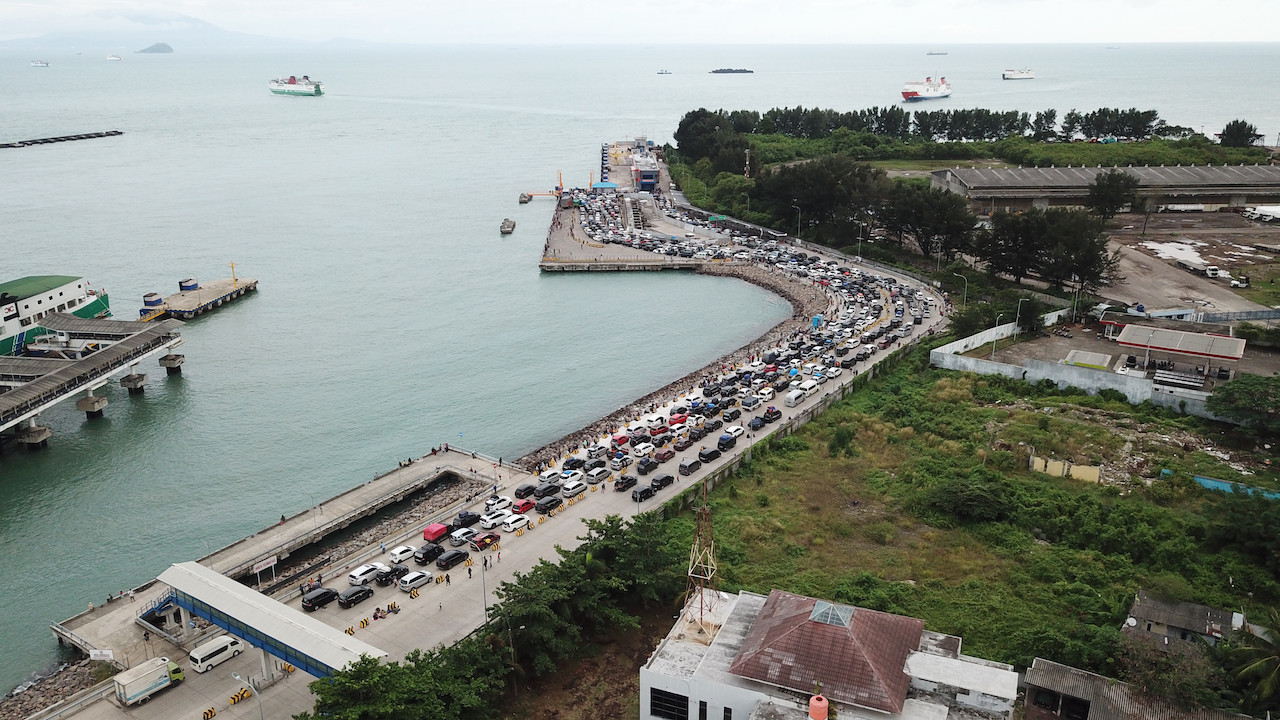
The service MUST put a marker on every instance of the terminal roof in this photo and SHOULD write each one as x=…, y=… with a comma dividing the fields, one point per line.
x=1178, y=342
x=271, y=618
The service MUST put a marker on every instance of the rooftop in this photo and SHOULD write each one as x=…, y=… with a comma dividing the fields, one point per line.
x=1181, y=342
x=1188, y=178
x=32, y=285
x=1201, y=619
x=1111, y=699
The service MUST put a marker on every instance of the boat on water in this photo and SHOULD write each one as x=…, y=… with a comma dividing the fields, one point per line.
x=664, y=72
x=113, y=58
x=25, y=300
x=930, y=89
x=936, y=52
x=294, y=85
x=508, y=226
x=39, y=63
x=1023, y=74
x=731, y=71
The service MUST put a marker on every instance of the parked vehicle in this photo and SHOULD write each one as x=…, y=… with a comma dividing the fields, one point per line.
x=354, y=595
x=493, y=519
x=522, y=507
x=577, y=487
x=646, y=466
x=215, y=652
x=400, y=553
x=365, y=573
x=137, y=684
x=427, y=553
x=318, y=598
x=526, y=490
x=661, y=481
x=485, y=541
x=451, y=558
x=623, y=483
x=415, y=579
x=515, y=522
x=547, y=504
x=707, y=455
x=391, y=575
x=641, y=494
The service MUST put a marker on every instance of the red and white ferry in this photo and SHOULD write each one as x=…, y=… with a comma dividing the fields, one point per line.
x=930, y=89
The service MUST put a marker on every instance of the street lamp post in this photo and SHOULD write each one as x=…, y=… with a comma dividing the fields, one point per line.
x=798, y=213
x=993, y=337
x=964, y=299
x=1147, y=363
x=1017, y=318
x=261, y=714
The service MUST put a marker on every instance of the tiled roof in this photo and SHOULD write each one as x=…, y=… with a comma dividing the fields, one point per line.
x=1111, y=699
x=857, y=655
x=1200, y=619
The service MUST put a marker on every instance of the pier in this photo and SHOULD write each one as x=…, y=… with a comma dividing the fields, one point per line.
x=195, y=299
x=35, y=384
x=62, y=138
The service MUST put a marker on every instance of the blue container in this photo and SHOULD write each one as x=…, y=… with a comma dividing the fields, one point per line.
x=188, y=285
x=151, y=300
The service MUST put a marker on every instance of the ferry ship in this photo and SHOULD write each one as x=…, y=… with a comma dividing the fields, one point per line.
x=113, y=58
x=25, y=300
x=930, y=89
x=294, y=85
x=39, y=63
x=1023, y=74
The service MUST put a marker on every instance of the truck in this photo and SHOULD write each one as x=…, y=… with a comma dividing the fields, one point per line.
x=1199, y=269
x=137, y=684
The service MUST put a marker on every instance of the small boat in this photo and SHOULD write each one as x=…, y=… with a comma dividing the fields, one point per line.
x=1023, y=74
x=664, y=72
x=936, y=52
x=732, y=71
x=294, y=85
x=39, y=63
x=930, y=89
x=508, y=226
x=113, y=58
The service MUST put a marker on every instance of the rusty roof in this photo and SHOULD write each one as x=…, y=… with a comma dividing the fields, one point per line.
x=857, y=655
x=1111, y=699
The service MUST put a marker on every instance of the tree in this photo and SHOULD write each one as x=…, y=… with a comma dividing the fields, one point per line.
x=1110, y=192
x=1012, y=245
x=1252, y=400
x=1239, y=133
x=1180, y=673
x=940, y=222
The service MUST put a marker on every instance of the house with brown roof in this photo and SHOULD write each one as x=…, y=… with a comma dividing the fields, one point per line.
x=750, y=656
x=1170, y=621
x=1060, y=692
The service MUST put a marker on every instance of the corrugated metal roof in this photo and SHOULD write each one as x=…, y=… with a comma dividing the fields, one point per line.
x=1111, y=699
x=1190, y=177
x=1183, y=615
x=1180, y=342
x=293, y=628
x=858, y=664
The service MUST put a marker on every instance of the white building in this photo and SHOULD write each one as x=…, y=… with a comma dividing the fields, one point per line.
x=766, y=656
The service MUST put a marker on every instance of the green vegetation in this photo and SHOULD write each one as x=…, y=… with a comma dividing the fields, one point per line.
x=912, y=496
x=1252, y=400
x=1239, y=133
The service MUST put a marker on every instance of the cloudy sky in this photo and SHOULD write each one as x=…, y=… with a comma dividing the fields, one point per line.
x=680, y=21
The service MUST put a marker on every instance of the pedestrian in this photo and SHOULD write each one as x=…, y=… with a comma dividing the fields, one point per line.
x=499, y=556
x=282, y=519
x=468, y=573
x=131, y=597
x=441, y=607
x=383, y=546
x=146, y=636
x=447, y=580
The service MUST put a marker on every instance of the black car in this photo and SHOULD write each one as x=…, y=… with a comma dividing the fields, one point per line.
x=451, y=558
x=713, y=425
x=771, y=414
x=725, y=443
x=731, y=414
x=318, y=598
x=661, y=481
x=354, y=595
x=391, y=574
x=662, y=439
x=525, y=490
x=697, y=433
x=684, y=443
x=546, y=490
x=592, y=464
x=729, y=401
x=641, y=494
x=756, y=423
x=781, y=384
x=573, y=463
x=427, y=553
x=711, y=391
x=624, y=482
x=547, y=504
x=706, y=455
x=646, y=466
x=848, y=362
x=465, y=518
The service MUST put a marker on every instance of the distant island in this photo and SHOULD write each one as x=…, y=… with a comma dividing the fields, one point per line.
x=157, y=48
x=725, y=71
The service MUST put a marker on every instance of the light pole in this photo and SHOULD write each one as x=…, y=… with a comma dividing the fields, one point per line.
x=797, y=207
x=261, y=714
x=861, y=229
x=1016, y=318
x=964, y=299
x=993, y=337
x=1147, y=363
x=748, y=197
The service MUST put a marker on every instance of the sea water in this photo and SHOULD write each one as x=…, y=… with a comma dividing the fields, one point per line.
x=391, y=316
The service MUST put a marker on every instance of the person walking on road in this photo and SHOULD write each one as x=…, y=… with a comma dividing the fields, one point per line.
x=468, y=573
x=447, y=581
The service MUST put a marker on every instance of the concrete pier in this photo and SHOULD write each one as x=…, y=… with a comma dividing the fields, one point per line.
x=188, y=304
x=61, y=138
x=135, y=383
x=172, y=363
x=92, y=405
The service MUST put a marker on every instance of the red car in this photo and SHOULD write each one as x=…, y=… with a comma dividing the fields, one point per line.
x=522, y=507
x=485, y=541
x=684, y=443
x=655, y=432
x=664, y=455
x=621, y=439
x=678, y=418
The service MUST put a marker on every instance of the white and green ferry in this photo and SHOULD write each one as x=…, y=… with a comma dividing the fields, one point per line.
x=294, y=85
x=25, y=300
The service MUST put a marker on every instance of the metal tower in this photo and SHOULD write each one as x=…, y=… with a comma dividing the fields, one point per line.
x=700, y=595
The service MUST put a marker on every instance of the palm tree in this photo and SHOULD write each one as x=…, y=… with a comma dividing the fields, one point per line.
x=1257, y=658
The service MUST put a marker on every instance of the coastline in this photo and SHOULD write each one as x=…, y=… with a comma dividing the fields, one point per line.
x=806, y=301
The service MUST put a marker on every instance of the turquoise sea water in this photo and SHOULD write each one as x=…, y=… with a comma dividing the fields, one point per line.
x=391, y=316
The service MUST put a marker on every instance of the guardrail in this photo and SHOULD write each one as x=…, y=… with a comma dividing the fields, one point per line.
x=74, y=703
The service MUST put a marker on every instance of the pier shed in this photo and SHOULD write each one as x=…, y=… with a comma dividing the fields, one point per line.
x=275, y=628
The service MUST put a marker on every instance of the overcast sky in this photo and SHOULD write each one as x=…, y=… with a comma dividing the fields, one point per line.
x=683, y=21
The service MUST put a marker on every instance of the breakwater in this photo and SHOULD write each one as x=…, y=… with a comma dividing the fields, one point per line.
x=62, y=138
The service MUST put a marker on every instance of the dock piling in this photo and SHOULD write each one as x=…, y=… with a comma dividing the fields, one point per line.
x=135, y=383
x=172, y=363
x=91, y=405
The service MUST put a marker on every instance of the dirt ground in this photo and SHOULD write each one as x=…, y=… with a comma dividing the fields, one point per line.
x=1227, y=240
x=605, y=683
x=1054, y=349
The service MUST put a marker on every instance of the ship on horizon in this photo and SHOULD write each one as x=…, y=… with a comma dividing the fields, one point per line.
x=1023, y=74
x=930, y=89
x=294, y=85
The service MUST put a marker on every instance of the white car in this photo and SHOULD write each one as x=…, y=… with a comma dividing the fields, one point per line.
x=734, y=430
x=549, y=476
x=569, y=476
x=494, y=518
x=514, y=523
x=617, y=463
x=765, y=394
x=363, y=574
x=834, y=371
x=401, y=553
x=574, y=488
x=497, y=502
x=415, y=579
x=643, y=449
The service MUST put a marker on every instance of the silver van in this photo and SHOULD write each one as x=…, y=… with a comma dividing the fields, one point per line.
x=462, y=536
x=795, y=397
x=223, y=647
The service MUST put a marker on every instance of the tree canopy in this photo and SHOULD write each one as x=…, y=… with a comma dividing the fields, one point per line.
x=1110, y=192
x=1252, y=400
x=1239, y=133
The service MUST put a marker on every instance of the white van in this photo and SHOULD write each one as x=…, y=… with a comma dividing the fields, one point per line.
x=795, y=397
x=462, y=536
x=810, y=387
x=223, y=647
